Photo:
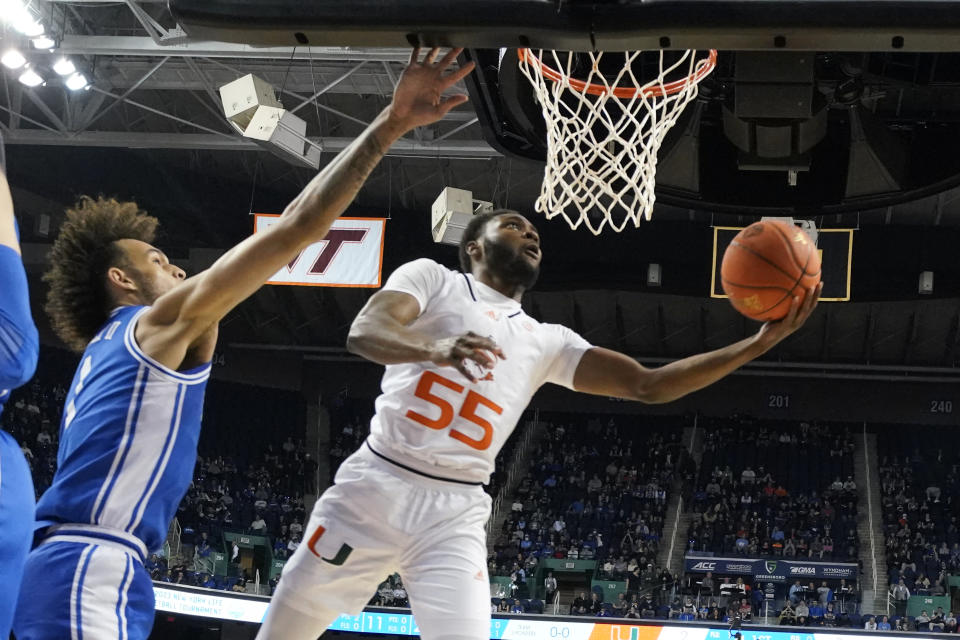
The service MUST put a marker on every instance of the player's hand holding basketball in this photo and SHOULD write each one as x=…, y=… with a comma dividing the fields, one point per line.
x=418, y=98
x=772, y=333
x=468, y=354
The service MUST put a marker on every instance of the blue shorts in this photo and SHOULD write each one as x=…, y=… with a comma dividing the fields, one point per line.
x=17, y=506
x=86, y=590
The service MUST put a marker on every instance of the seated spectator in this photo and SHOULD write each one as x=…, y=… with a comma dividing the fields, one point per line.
x=385, y=594
x=595, y=604
x=950, y=622
x=937, y=622
x=884, y=624
x=870, y=624
x=922, y=621
x=580, y=605
x=633, y=612
x=647, y=608
x=802, y=610
x=620, y=605
x=829, y=616
x=816, y=610
x=675, y=609
x=787, y=614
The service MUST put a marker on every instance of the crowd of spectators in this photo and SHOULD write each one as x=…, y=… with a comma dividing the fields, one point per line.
x=391, y=593
x=776, y=490
x=596, y=489
x=920, y=517
x=184, y=574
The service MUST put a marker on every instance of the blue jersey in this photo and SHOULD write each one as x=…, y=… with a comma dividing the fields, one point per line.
x=128, y=437
x=18, y=334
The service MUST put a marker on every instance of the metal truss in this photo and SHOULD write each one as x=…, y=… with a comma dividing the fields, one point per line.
x=155, y=87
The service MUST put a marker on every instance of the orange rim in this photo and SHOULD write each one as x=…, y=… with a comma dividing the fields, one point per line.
x=667, y=89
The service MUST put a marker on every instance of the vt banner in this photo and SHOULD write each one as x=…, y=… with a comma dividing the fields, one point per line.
x=350, y=255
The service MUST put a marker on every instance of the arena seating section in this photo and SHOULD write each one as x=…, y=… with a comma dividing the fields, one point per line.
x=596, y=489
x=775, y=490
x=920, y=477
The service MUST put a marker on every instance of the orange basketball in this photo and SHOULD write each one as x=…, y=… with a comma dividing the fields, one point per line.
x=766, y=266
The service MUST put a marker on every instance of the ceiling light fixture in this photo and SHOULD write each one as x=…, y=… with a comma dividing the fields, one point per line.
x=64, y=67
x=13, y=59
x=44, y=42
x=31, y=78
x=77, y=81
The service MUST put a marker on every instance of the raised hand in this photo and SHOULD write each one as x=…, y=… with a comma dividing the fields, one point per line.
x=418, y=98
x=773, y=332
x=458, y=351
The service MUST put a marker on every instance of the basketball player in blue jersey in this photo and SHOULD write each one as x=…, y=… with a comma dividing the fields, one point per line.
x=18, y=359
x=129, y=431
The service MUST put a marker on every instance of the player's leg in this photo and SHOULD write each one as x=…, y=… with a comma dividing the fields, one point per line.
x=320, y=582
x=89, y=591
x=17, y=505
x=445, y=573
x=348, y=548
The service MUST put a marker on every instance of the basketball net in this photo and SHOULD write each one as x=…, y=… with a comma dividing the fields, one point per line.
x=603, y=134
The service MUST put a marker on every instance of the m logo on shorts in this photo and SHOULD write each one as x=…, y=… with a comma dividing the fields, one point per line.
x=337, y=560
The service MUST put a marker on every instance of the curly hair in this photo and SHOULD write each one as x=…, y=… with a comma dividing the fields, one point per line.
x=78, y=301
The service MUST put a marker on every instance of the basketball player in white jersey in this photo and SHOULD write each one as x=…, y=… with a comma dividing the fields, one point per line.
x=128, y=438
x=462, y=362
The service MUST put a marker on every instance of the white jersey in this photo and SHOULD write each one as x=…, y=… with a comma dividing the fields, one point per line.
x=433, y=419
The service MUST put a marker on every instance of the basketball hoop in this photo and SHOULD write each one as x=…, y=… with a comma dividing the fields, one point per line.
x=603, y=135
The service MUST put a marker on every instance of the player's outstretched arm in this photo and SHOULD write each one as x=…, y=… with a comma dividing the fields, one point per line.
x=608, y=373
x=381, y=333
x=18, y=334
x=193, y=308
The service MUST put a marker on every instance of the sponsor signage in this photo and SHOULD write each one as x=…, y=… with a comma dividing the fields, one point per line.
x=771, y=570
x=351, y=255
x=226, y=606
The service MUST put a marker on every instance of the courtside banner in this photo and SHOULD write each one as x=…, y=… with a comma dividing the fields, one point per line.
x=224, y=605
x=772, y=570
x=350, y=256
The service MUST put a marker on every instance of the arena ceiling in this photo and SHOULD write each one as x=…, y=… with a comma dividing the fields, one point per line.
x=150, y=126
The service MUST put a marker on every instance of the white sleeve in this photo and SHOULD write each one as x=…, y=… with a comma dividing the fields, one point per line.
x=565, y=348
x=422, y=279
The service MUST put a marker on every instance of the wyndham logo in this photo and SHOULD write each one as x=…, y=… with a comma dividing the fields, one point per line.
x=771, y=566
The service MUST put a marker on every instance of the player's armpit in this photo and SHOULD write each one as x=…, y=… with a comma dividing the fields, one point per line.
x=604, y=372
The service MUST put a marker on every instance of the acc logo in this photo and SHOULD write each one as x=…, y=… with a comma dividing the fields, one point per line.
x=770, y=565
x=704, y=566
x=803, y=571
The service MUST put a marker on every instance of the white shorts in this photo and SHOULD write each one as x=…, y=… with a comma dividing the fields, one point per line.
x=379, y=519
